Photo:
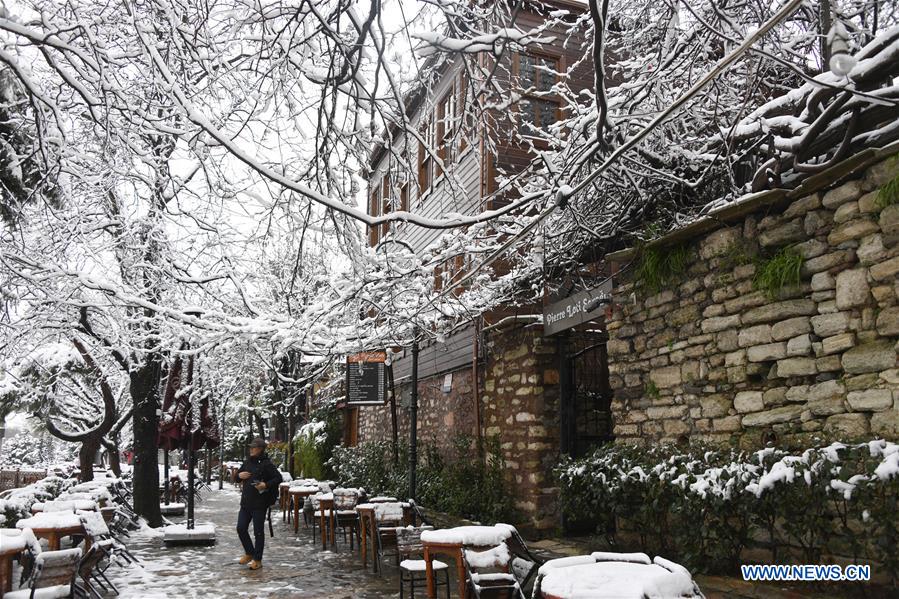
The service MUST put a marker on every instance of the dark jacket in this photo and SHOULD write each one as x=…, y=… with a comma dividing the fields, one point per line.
x=262, y=470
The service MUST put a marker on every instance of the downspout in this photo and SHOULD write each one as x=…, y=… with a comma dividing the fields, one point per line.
x=476, y=384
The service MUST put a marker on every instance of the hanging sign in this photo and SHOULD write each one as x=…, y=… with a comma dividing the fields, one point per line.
x=366, y=378
x=579, y=308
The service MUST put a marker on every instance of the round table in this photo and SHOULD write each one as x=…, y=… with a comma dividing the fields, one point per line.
x=607, y=580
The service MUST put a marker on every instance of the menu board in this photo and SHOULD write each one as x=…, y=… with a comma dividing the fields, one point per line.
x=366, y=378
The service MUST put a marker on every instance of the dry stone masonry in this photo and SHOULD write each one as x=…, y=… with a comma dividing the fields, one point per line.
x=713, y=358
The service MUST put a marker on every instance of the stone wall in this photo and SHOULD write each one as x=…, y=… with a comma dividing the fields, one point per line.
x=441, y=415
x=521, y=404
x=713, y=358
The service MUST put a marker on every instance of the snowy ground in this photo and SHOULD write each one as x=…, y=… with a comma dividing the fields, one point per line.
x=294, y=566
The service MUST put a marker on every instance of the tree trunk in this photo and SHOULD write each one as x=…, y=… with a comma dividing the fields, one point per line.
x=143, y=387
x=112, y=450
x=86, y=455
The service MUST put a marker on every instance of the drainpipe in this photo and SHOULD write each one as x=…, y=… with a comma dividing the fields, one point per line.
x=476, y=387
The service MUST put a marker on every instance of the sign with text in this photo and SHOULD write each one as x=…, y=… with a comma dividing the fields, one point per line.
x=366, y=378
x=579, y=308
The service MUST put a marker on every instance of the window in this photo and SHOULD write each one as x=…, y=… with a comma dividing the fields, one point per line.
x=448, y=272
x=386, y=204
x=425, y=161
x=374, y=205
x=539, y=106
x=441, y=134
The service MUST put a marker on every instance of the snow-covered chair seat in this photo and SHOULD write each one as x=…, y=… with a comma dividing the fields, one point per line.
x=489, y=572
x=412, y=568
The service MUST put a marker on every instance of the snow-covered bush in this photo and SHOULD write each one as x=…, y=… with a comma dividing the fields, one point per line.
x=315, y=441
x=17, y=504
x=706, y=505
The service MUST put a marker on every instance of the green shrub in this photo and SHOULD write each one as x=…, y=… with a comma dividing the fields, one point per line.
x=704, y=506
x=315, y=442
x=661, y=267
x=779, y=272
x=889, y=193
x=456, y=482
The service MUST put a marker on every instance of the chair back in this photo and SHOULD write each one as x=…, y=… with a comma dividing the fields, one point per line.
x=345, y=499
x=408, y=539
x=94, y=525
x=498, y=557
x=389, y=513
x=54, y=568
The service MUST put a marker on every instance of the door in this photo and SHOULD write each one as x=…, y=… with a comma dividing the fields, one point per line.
x=586, y=415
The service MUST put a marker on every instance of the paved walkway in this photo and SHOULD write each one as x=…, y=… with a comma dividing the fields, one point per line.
x=294, y=566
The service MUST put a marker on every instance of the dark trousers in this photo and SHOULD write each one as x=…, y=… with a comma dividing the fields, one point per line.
x=243, y=526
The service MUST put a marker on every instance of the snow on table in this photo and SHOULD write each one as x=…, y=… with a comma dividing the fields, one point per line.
x=619, y=580
x=50, y=520
x=14, y=539
x=65, y=505
x=475, y=536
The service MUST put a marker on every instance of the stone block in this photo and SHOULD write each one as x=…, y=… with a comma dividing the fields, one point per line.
x=789, y=232
x=803, y=205
x=791, y=327
x=669, y=376
x=756, y=335
x=774, y=416
x=816, y=221
x=736, y=374
x=674, y=428
x=737, y=358
x=617, y=347
x=826, y=406
x=828, y=364
x=891, y=376
x=888, y=322
x=729, y=424
x=713, y=310
x=779, y=311
x=825, y=390
x=799, y=346
x=662, y=412
x=887, y=270
x=660, y=298
x=727, y=340
x=881, y=173
x=719, y=242
x=823, y=281
x=874, y=400
x=883, y=294
x=683, y=315
x=886, y=424
x=871, y=250
x=749, y=401
x=743, y=302
x=811, y=248
x=846, y=212
x=720, y=323
x=796, y=367
x=827, y=325
x=827, y=262
x=774, y=397
x=767, y=352
x=852, y=288
x=837, y=343
x=889, y=220
x=847, y=426
x=870, y=357
x=868, y=202
x=846, y=192
x=799, y=393
x=714, y=406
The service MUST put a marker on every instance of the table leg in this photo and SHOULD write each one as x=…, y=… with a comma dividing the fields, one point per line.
x=363, y=542
x=53, y=541
x=373, y=532
x=460, y=572
x=5, y=574
x=324, y=528
x=296, y=515
x=429, y=574
x=333, y=527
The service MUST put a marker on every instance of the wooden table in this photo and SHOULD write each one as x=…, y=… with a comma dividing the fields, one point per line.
x=368, y=526
x=283, y=499
x=453, y=550
x=12, y=545
x=55, y=534
x=298, y=496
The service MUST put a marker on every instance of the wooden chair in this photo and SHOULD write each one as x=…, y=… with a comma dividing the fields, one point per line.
x=488, y=573
x=385, y=537
x=53, y=577
x=522, y=559
x=96, y=529
x=345, y=516
x=93, y=566
x=412, y=567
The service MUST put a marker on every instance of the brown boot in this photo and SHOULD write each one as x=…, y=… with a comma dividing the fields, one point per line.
x=246, y=559
x=255, y=565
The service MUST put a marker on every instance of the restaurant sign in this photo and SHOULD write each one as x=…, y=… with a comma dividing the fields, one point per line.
x=366, y=378
x=577, y=309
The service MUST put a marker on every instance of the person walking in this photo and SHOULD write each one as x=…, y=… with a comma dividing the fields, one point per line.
x=260, y=480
